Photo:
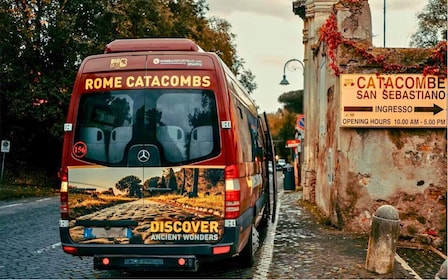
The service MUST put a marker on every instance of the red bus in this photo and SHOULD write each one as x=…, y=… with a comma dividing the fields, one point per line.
x=165, y=160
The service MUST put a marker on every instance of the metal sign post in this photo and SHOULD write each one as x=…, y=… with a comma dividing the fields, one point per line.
x=5, y=147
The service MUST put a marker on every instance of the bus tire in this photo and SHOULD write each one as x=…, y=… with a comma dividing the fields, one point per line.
x=248, y=253
x=265, y=217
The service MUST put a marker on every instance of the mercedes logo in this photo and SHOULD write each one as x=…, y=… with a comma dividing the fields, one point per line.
x=143, y=156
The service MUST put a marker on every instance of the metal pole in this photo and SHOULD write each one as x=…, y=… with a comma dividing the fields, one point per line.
x=303, y=75
x=384, y=23
x=3, y=166
x=294, y=59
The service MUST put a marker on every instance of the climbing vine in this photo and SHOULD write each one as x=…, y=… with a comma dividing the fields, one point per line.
x=436, y=63
x=333, y=38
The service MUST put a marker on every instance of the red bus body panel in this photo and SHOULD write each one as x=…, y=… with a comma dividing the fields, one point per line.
x=129, y=70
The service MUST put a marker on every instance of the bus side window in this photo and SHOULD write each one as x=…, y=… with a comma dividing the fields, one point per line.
x=119, y=138
x=261, y=149
x=201, y=142
x=94, y=139
x=172, y=139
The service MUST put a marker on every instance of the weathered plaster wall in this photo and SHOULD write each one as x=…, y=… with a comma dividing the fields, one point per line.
x=315, y=14
x=403, y=168
x=349, y=173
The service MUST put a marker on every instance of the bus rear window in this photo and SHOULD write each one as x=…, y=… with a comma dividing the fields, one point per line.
x=175, y=126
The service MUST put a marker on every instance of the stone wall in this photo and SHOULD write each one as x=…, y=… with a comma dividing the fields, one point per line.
x=350, y=172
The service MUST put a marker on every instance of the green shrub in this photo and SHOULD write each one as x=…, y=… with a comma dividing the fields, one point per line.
x=27, y=183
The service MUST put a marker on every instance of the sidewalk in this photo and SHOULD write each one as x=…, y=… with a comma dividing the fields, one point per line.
x=305, y=249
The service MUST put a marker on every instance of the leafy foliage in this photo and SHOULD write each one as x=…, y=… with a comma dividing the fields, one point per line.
x=432, y=25
x=282, y=123
x=286, y=132
x=9, y=192
x=213, y=176
x=172, y=182
x=246, y=79
x=130, y=184
x=27, y=183
x=333, y=39
x=282, y=126
x=293, y=101
x=43, y=43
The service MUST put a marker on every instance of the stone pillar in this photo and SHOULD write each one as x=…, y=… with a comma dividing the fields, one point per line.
x=383, y=238
x=355, y=21
x=442, y=273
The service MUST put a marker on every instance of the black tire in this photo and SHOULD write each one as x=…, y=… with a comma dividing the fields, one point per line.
x=247, y=254
x=264, y=222
x=274, y=197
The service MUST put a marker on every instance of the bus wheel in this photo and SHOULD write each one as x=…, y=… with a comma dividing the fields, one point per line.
x=248, y=253
x=264, y=222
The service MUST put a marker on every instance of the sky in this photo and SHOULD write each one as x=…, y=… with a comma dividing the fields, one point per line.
x=268, y=34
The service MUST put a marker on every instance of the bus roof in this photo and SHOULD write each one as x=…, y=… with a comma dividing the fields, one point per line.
x=152, y=44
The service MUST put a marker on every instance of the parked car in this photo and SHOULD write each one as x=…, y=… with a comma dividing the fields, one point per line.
x=281, y=162
x=270, y=167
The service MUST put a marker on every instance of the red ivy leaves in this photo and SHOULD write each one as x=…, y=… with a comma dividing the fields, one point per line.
x=333, y=38
x=330, y=35
x=439, y=58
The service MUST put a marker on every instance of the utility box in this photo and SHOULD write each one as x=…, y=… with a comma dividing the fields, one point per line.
x=288, y=178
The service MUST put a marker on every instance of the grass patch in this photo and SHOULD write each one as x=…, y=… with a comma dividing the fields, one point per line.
x=18, y=191
x=27, y=183
x=83, y=204
x=209, y=202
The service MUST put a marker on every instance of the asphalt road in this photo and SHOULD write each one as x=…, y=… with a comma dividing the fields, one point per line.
x=31, y=248
x=294, y=247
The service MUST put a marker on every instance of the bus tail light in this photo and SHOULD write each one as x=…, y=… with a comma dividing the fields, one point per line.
x=232, y=205
x=232, y=198
x=70, y=250
x=64, y=194
x=63, y=175
x=181, y=262
x=64, y=205
x=105, y=261
x=221, y=250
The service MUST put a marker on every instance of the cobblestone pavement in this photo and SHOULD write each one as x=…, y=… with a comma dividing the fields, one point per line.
x=305, y=249
x=295, y=247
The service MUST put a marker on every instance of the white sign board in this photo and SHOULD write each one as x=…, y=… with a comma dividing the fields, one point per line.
x=5, y=146
x=393, y=100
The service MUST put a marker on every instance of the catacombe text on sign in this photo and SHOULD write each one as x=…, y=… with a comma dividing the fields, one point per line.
x=395, y=100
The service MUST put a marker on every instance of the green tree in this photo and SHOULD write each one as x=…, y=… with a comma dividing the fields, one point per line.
x=131, y=185
x=213, y=176
x=432, y=25
x=293, y=101
x=151, y=182
x=247, y=79
x=44, y=41
x=35, y=83
x=172, y=181
x=282, y=128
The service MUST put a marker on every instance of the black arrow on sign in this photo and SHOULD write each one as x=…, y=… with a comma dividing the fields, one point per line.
x=434, y=109
x=357, y=109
